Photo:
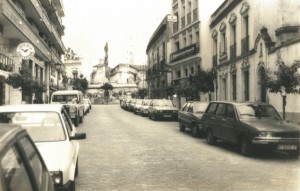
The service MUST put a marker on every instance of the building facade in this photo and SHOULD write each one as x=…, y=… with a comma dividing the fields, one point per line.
x=73, y=68
x=38, y=25
x=248, y=38
x=190, y=46
x=158, y=66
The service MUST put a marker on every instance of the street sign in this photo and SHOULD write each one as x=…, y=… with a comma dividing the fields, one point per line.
x=172, y=18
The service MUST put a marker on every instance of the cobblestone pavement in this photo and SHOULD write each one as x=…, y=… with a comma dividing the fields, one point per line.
x=128, y=152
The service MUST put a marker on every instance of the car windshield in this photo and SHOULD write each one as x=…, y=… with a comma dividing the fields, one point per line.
x=146, y=102
x=41, y=126
x=168, y=103
x=200, y=107
x=257, y=111
x=64, y=98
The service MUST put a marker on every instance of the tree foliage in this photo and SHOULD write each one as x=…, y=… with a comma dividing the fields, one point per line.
x=205, y=80
x=285, y=76
x=80, y=84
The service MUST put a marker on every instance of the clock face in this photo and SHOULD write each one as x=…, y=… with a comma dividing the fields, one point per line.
x=25, y=50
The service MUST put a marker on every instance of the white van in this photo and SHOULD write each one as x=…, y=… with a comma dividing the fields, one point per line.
x=73, y=102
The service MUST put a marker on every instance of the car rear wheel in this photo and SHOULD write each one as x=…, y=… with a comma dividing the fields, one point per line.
x=246, y=147
x=195, y=131
x=76, y=121
x=181, y=127
x=211, y=139
x=72, y=186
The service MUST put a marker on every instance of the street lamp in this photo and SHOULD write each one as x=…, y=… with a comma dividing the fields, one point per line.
x=58, y=67
x=283, y=94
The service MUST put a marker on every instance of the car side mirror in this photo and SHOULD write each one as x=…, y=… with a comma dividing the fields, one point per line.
x=78, y=136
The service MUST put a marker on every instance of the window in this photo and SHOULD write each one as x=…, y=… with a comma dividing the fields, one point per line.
x=67, y=122
x=233, y=80
x=230, y=111
x=221, y=110
x=186, y=107
x=192, y=70
x=177, y=46
x=178, y=74
x=190, y=109
x=212, y=108
x=186, y=72
x=14, y=171
x=223, y=42
x=36, y=164
x=233, y=42
x=246, y=85
x=182, y=22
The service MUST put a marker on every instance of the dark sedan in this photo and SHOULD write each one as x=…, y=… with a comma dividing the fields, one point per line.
x=189, y=116
x=250, y=125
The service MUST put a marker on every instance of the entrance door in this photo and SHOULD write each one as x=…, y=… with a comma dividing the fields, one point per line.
x=2, y=93
x=263, y=89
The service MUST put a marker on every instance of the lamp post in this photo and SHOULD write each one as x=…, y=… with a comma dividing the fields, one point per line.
x=283, y=94
x=58, y=67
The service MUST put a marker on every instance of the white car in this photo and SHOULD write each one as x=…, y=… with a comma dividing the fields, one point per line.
x=87, y=105
x=55, y=136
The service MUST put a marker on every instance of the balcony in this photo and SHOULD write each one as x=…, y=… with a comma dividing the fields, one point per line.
x=233, y=51
x=11, y=12
x=185, y=52
x=7, y=64
x=245, y=45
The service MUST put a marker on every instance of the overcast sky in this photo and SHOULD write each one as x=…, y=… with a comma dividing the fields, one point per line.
x=125, y=25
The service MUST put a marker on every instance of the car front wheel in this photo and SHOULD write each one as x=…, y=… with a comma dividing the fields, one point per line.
x=181, y=127
x=246, y=147
x=195, y=131
x=211, y=139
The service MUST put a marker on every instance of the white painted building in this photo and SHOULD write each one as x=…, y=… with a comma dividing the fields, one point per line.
x=249, y=37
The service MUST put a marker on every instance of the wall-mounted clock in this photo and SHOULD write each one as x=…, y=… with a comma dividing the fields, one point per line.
x=25, y=50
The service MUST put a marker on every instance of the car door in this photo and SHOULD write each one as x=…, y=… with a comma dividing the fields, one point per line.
x=71, y=131
x=229, y=124
x=220, y=118
x=183, y=114
x=208, y=120
x=40, y=172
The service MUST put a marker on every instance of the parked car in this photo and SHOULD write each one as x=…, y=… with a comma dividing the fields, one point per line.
x=144, y=107
x=189, y=116
x=73, y=100
x=137, y=106
x=89, y=102
x=131, y=104
x=162, y=109
x=55, y=136
x=125, y=103
x=22, y=166
x=250, y=125
x=87, y=106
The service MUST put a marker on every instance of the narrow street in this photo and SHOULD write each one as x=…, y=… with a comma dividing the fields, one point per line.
x=124, y=151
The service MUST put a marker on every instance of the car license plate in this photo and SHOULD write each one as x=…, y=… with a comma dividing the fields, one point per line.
x=287, y=147
x=167, y=115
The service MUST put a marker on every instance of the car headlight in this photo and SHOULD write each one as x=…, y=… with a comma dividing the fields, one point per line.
x=57, y=177
x=266, y=134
